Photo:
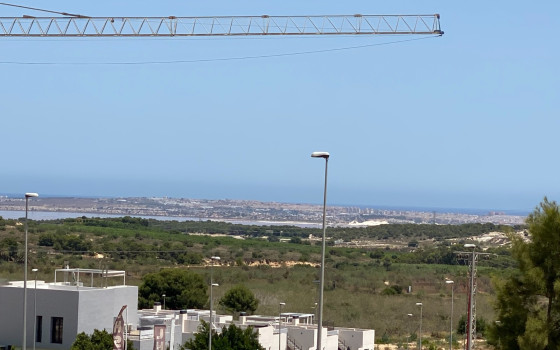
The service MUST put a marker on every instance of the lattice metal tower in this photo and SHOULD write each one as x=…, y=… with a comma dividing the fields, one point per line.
x=472, y=258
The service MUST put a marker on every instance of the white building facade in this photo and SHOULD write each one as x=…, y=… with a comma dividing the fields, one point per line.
x=288, y=331
x=57, y=312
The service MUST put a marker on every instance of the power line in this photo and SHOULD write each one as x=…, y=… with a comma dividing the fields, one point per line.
x=217, y=59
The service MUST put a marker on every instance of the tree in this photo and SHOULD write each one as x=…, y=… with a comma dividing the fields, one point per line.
x=481, y=326
x=231, y=337
x=99, y=340
x=239, y=298
x=183, y=289
x=11, y=245
x=528, y=303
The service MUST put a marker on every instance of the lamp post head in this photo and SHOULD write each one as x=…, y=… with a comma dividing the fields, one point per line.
x=418, y=304
x=469, y=245
x=34, y=270
x=215, y=285
x=320, y=155
x=31, y=194
x=163, y=295
x=409, y=315
x=282, y=304
x=449, y=282
x=215, y=258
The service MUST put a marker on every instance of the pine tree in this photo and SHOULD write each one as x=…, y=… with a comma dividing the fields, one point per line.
x=528, y=303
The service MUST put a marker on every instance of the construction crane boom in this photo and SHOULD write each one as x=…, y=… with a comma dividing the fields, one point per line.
x=82, y=26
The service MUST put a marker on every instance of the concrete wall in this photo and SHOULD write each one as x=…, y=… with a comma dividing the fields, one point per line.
x=99, y=307
x=61, y=303
x=332, y=341
x=82, y=309
x=268, y=337
x=357, y=339
x=143, y=344
x=305, y=337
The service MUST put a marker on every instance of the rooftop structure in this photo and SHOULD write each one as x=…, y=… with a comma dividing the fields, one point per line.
x=82, y=300
x=297, y=330
x=60, y=310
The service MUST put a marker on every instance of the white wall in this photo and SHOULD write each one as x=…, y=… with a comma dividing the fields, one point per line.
x=304, y=337
x=269, y=340
x=357, y=339
x=82, y=309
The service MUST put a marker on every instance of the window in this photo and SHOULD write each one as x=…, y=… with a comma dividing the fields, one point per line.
x=39, y=330
x=56, y=330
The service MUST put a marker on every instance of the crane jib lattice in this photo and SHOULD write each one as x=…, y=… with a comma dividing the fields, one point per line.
x=28, y=26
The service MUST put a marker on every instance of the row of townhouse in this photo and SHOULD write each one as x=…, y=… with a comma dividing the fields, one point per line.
x=83, y=301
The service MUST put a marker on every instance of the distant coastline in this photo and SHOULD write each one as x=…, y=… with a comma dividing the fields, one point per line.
x=468, y=211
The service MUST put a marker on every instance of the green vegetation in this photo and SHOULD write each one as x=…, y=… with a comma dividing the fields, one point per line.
x=231, y=337
x=183, y=289
x=365, y=287
x=239, y=299
x=99, y=340
x=156, y=243
x=528, y=302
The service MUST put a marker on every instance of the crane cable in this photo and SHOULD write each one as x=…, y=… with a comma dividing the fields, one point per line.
x=43, y=10
x=216, y=59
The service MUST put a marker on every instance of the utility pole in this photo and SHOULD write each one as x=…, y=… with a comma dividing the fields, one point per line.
x=472, y=258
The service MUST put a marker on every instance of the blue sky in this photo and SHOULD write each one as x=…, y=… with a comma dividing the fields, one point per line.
x=467, y=120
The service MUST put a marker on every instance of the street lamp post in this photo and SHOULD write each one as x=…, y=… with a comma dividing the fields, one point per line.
x=452, y=283
x=163, y=295
x=280, y=326
x=212, y=284
x=409, y=331
x=470, y=309
x=314, y=307
x=211, y=320
x=35, y=310
x=324, y=155
x=420, y=332
x=24, y=342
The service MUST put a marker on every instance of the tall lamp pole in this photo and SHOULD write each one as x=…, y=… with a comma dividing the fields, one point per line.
x=163, y=295
x=324, y=155
x=471, y=318
x=35, y=310
x=212, y=284
x=451, y=316
x=211, y=321
x=420, y=332
x=280, y=326
x=24, y=342
x=408, y=337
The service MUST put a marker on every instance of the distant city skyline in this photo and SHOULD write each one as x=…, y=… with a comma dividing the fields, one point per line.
x=391, y=206
x=248, y=212
x=465, y=120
